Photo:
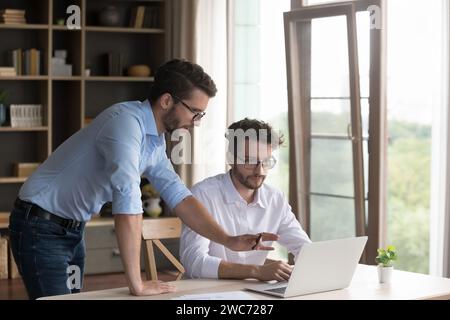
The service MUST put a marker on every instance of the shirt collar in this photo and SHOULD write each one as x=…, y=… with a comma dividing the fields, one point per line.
x=233, y=196
x=150, y=122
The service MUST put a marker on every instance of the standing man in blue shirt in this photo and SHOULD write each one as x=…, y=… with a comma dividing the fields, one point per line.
x=104, y=162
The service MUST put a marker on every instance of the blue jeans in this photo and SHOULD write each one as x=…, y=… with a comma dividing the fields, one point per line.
x=49, y=257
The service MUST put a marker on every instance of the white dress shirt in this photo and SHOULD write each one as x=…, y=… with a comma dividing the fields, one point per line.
x=269, y=212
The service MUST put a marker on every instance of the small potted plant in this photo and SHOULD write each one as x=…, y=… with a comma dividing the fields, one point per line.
x=385, y=260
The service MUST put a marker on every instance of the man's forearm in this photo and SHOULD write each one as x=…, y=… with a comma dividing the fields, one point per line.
x=128, y=231
x=228, y=270
x=197, y=217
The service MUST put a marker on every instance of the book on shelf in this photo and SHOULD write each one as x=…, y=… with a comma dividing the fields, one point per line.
x=114, y=63
x=7, y=71
x=144, y=17
x=14, y=59
x=25, y=62
x=12, y=12
x=151, y=17
x=12, y=16
x=26, y=115
x=34, y=62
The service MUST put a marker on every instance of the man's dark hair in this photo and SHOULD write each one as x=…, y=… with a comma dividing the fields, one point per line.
x=179, y=78
x=259, y=129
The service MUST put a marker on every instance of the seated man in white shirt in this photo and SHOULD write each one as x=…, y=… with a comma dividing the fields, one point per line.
x=241, y=203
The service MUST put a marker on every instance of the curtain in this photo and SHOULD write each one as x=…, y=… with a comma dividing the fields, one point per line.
x=440, y=171
x=199, y=35
x=211, y=54
x=183, y=45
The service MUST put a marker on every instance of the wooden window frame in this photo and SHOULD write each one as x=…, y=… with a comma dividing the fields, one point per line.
x=300, y=116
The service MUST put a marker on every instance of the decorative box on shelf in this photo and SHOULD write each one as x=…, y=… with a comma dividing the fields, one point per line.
x=60, y=67
x=26, y=115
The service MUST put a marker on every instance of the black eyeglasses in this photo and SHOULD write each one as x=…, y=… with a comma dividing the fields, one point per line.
x=197, y=115
x=252, y=163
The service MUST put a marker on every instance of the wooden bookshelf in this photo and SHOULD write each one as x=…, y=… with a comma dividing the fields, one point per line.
x=8, y=180
x=71, y=78
x=24, y=26
x=120, y=79
x=24, y=77
x=123, y=30
x=69, y=100
x=11, y=129
x=64, y=28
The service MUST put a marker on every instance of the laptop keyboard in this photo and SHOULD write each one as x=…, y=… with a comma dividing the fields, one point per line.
x=277, y=290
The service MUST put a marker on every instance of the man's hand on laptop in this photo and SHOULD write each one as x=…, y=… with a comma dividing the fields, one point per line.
x=277, y=270
x=248, y=242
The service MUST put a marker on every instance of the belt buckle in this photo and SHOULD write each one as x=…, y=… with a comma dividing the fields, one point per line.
x=72, y=224
x=68, y=224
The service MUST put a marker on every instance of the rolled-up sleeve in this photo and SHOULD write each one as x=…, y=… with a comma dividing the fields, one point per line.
x=163, y=177
x=119, y=144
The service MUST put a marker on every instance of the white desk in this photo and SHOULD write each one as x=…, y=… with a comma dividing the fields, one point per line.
x=365, y=286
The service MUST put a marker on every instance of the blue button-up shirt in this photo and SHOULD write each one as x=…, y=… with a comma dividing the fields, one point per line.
x=104, y=162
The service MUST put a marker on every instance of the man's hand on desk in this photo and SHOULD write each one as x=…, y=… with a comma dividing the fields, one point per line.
x=277, y=270
x=250, y=242
x=149, y=288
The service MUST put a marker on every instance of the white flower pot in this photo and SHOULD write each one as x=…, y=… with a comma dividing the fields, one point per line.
x=384, y=274
x=151, y=207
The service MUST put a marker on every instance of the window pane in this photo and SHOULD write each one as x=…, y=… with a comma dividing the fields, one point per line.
x=246, y=12
x=246, y=101
x=330, y=116
x=332, y=167
x=363, y=34
x=329, y=61
x=332, y=218
x=246, y=49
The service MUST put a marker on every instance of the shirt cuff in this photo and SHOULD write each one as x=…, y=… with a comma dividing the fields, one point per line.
x=174, y=198
x=210, y=267
x=126, y=204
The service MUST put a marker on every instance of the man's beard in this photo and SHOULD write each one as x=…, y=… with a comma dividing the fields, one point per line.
x=170, y=121
x=247, y=181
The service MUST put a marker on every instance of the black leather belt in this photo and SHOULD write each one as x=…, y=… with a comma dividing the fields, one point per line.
x=37, y=211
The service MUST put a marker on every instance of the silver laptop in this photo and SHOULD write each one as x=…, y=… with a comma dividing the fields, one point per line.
x=320, y=266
